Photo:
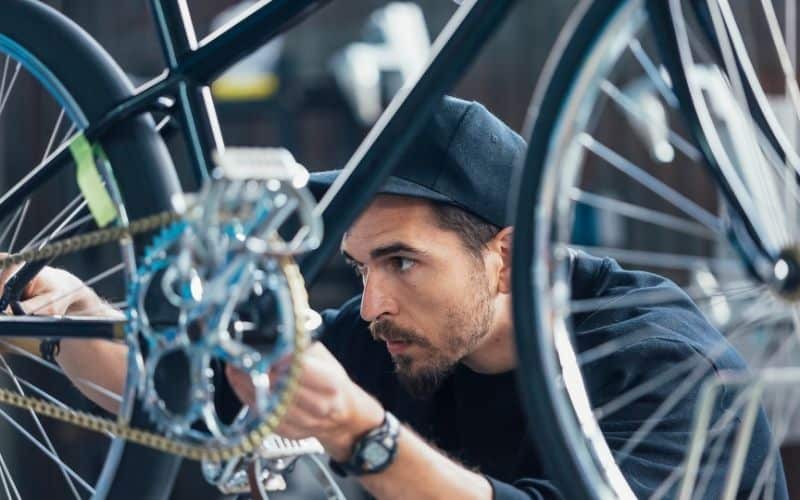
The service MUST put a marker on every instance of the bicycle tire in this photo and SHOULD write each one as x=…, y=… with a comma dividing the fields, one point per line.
x=575, y=478
x=80, y=74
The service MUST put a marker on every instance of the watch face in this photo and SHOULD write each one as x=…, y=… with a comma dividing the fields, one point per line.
x=374, y=455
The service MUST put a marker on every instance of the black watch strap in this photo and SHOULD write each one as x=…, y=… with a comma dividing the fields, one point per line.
x=373, y=452
x=49, y=349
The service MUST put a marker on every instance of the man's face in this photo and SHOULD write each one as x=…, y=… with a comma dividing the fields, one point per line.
x=425, y=295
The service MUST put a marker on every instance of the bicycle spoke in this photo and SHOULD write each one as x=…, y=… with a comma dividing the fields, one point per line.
x=664, y=191
x=759, y=192
x=723, y=30
x=636, y=392
x=780, y=431
x=610, y=347
x=69, y=227
x=55, y=220
x=7, y=369
x=5, y=474
x=716, y=450
x=650, y=69
x=787, y=58
x=45, y=395
x=651, y=297
x=720, y=437
x=787, y=67
x=676, y=396
x=66, y=226
x=20, y=220
x=47, y=452
x=54, y=367
x=38, y=390
x=629, y=107
x=53, y=135
x=661, y=260
x=104, y=274
x=786, y=143
x=3, y=79
x=10, y=225
x=640, y=213
x=4, y=97
x=47, y=151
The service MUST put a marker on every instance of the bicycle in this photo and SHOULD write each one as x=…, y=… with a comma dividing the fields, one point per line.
x=740, y=246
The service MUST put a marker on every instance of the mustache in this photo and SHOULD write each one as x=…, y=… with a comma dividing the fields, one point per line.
x=385, y=330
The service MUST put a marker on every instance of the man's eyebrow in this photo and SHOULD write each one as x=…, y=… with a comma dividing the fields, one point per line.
x=383, y=251
x=392, y=248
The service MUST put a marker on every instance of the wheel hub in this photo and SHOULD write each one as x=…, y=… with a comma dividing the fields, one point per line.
x=786, y=274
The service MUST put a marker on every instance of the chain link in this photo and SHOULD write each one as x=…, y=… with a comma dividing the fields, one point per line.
x=215, y=452
x=91, y=239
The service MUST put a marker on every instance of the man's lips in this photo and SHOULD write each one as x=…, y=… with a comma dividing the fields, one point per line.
x=397, y=347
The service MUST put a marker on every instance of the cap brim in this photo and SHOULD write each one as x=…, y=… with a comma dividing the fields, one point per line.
x=319, y=182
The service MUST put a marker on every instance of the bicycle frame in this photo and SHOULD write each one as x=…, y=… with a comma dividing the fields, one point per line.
x=182, y=90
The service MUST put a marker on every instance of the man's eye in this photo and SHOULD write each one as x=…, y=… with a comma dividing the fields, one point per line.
x=402, y=264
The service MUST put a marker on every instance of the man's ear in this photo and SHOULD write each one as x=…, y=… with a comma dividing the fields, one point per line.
x=501, y=245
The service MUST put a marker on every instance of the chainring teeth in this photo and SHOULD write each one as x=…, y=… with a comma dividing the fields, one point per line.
x=281, y=278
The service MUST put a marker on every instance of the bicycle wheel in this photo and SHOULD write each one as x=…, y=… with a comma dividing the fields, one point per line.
x=674, y=380
x=54, y=82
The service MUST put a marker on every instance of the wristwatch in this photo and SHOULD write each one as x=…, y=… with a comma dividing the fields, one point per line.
x=373, y=452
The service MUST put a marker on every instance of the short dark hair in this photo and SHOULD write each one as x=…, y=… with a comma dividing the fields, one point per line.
x=474, y=232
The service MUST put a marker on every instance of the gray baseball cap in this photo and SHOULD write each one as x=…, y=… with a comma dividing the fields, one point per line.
x=465, y=156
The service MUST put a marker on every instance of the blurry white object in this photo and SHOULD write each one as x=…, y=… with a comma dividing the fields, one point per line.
x=369, y=73
x=651, y=121
x=253, y=77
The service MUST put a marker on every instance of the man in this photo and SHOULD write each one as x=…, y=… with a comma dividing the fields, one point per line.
x=434, y=254
x=413, y=388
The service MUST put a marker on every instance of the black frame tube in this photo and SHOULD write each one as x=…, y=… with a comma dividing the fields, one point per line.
x=230, y=44
x=61, y=327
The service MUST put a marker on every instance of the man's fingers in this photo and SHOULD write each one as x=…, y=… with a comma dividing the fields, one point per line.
x=320, y=374
x=297, y=425
x=312, y=403
x=48, y=304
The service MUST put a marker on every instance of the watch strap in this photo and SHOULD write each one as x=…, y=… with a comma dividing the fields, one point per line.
x=385, y=436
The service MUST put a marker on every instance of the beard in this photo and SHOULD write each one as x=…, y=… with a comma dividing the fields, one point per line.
x=465, y=326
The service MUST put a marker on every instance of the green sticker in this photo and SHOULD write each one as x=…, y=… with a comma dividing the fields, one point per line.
x=91, y=182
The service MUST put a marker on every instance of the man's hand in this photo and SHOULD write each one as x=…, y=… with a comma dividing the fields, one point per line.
x=327, y=404
x=55, y=292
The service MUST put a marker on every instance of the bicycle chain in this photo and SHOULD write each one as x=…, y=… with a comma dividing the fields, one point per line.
x=91, y=239
x=215, y=452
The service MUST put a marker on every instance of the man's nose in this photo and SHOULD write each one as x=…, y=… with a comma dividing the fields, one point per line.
x=376, y=299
